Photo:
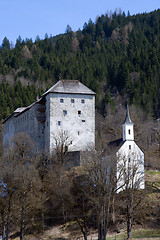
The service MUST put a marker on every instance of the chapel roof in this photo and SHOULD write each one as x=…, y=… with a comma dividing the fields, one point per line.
x=112, y=147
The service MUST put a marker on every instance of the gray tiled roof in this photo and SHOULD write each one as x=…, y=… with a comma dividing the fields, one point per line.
x=69, y=86
x=62, y=86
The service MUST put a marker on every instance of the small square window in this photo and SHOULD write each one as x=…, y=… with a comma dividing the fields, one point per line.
x=129, y=147
x=72, y=100
x=59, y=123
x=79, y=112
x=66, y=148
x=64, y=112
x=61, y=100
x=82, y=101
x=83, y=120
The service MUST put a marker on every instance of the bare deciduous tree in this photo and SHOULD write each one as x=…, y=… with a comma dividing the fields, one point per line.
x=132, y=179
x=21, y=180
x=61, y=143
x=102, y=180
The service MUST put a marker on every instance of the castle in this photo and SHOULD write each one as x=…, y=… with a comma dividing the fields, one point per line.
x=66, y=113
x=67, y=109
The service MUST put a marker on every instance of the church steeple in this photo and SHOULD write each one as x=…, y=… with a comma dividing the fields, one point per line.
x=128, y=133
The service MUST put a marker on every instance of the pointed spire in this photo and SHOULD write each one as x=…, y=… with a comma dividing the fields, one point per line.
x=127, y=119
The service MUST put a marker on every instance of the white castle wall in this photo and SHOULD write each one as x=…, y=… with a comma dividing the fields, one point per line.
x=73, y=115
x=78, y=122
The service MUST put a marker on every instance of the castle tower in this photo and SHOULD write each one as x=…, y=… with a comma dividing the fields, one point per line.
x=128, y=132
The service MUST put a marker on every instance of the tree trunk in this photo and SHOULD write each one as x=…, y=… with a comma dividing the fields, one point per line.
x=129, y=227
x=113, y=218
x=3, y=224
x=99, y=231
x=22, y=222
x=129, y=221
x=3, y=232
x=130, y=197
x=85, y=234
x=42, y=217
x=8, y=218
x=83, y=229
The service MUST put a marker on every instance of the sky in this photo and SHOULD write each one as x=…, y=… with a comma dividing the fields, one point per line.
x=31, y=18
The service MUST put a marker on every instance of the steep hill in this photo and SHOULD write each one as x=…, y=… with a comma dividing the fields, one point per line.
x=117, y=54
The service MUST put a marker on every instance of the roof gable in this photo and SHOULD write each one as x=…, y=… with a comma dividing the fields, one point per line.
x=125, y=149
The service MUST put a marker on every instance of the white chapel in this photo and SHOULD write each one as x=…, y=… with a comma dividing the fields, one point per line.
x=130, y=157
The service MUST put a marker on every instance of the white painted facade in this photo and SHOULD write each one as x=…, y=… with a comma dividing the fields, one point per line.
x=130, y=158
x=66, y=108
x=73, y=115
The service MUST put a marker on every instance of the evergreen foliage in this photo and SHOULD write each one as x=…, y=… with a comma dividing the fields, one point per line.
x=16, y=96
x=116, y=54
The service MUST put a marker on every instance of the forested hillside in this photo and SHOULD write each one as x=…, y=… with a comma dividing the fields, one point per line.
x=116, y=55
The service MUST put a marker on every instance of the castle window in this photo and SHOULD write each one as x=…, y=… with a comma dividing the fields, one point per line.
x=79, y=112
x=129, y=159
x=129, y=147
x=61, y=100
x=72, y=100
x=64, y=112
x=78, y=132
x=66, y=148
x=129, y=131
x=83, y=120
x=59, y=123
x=82, y=101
